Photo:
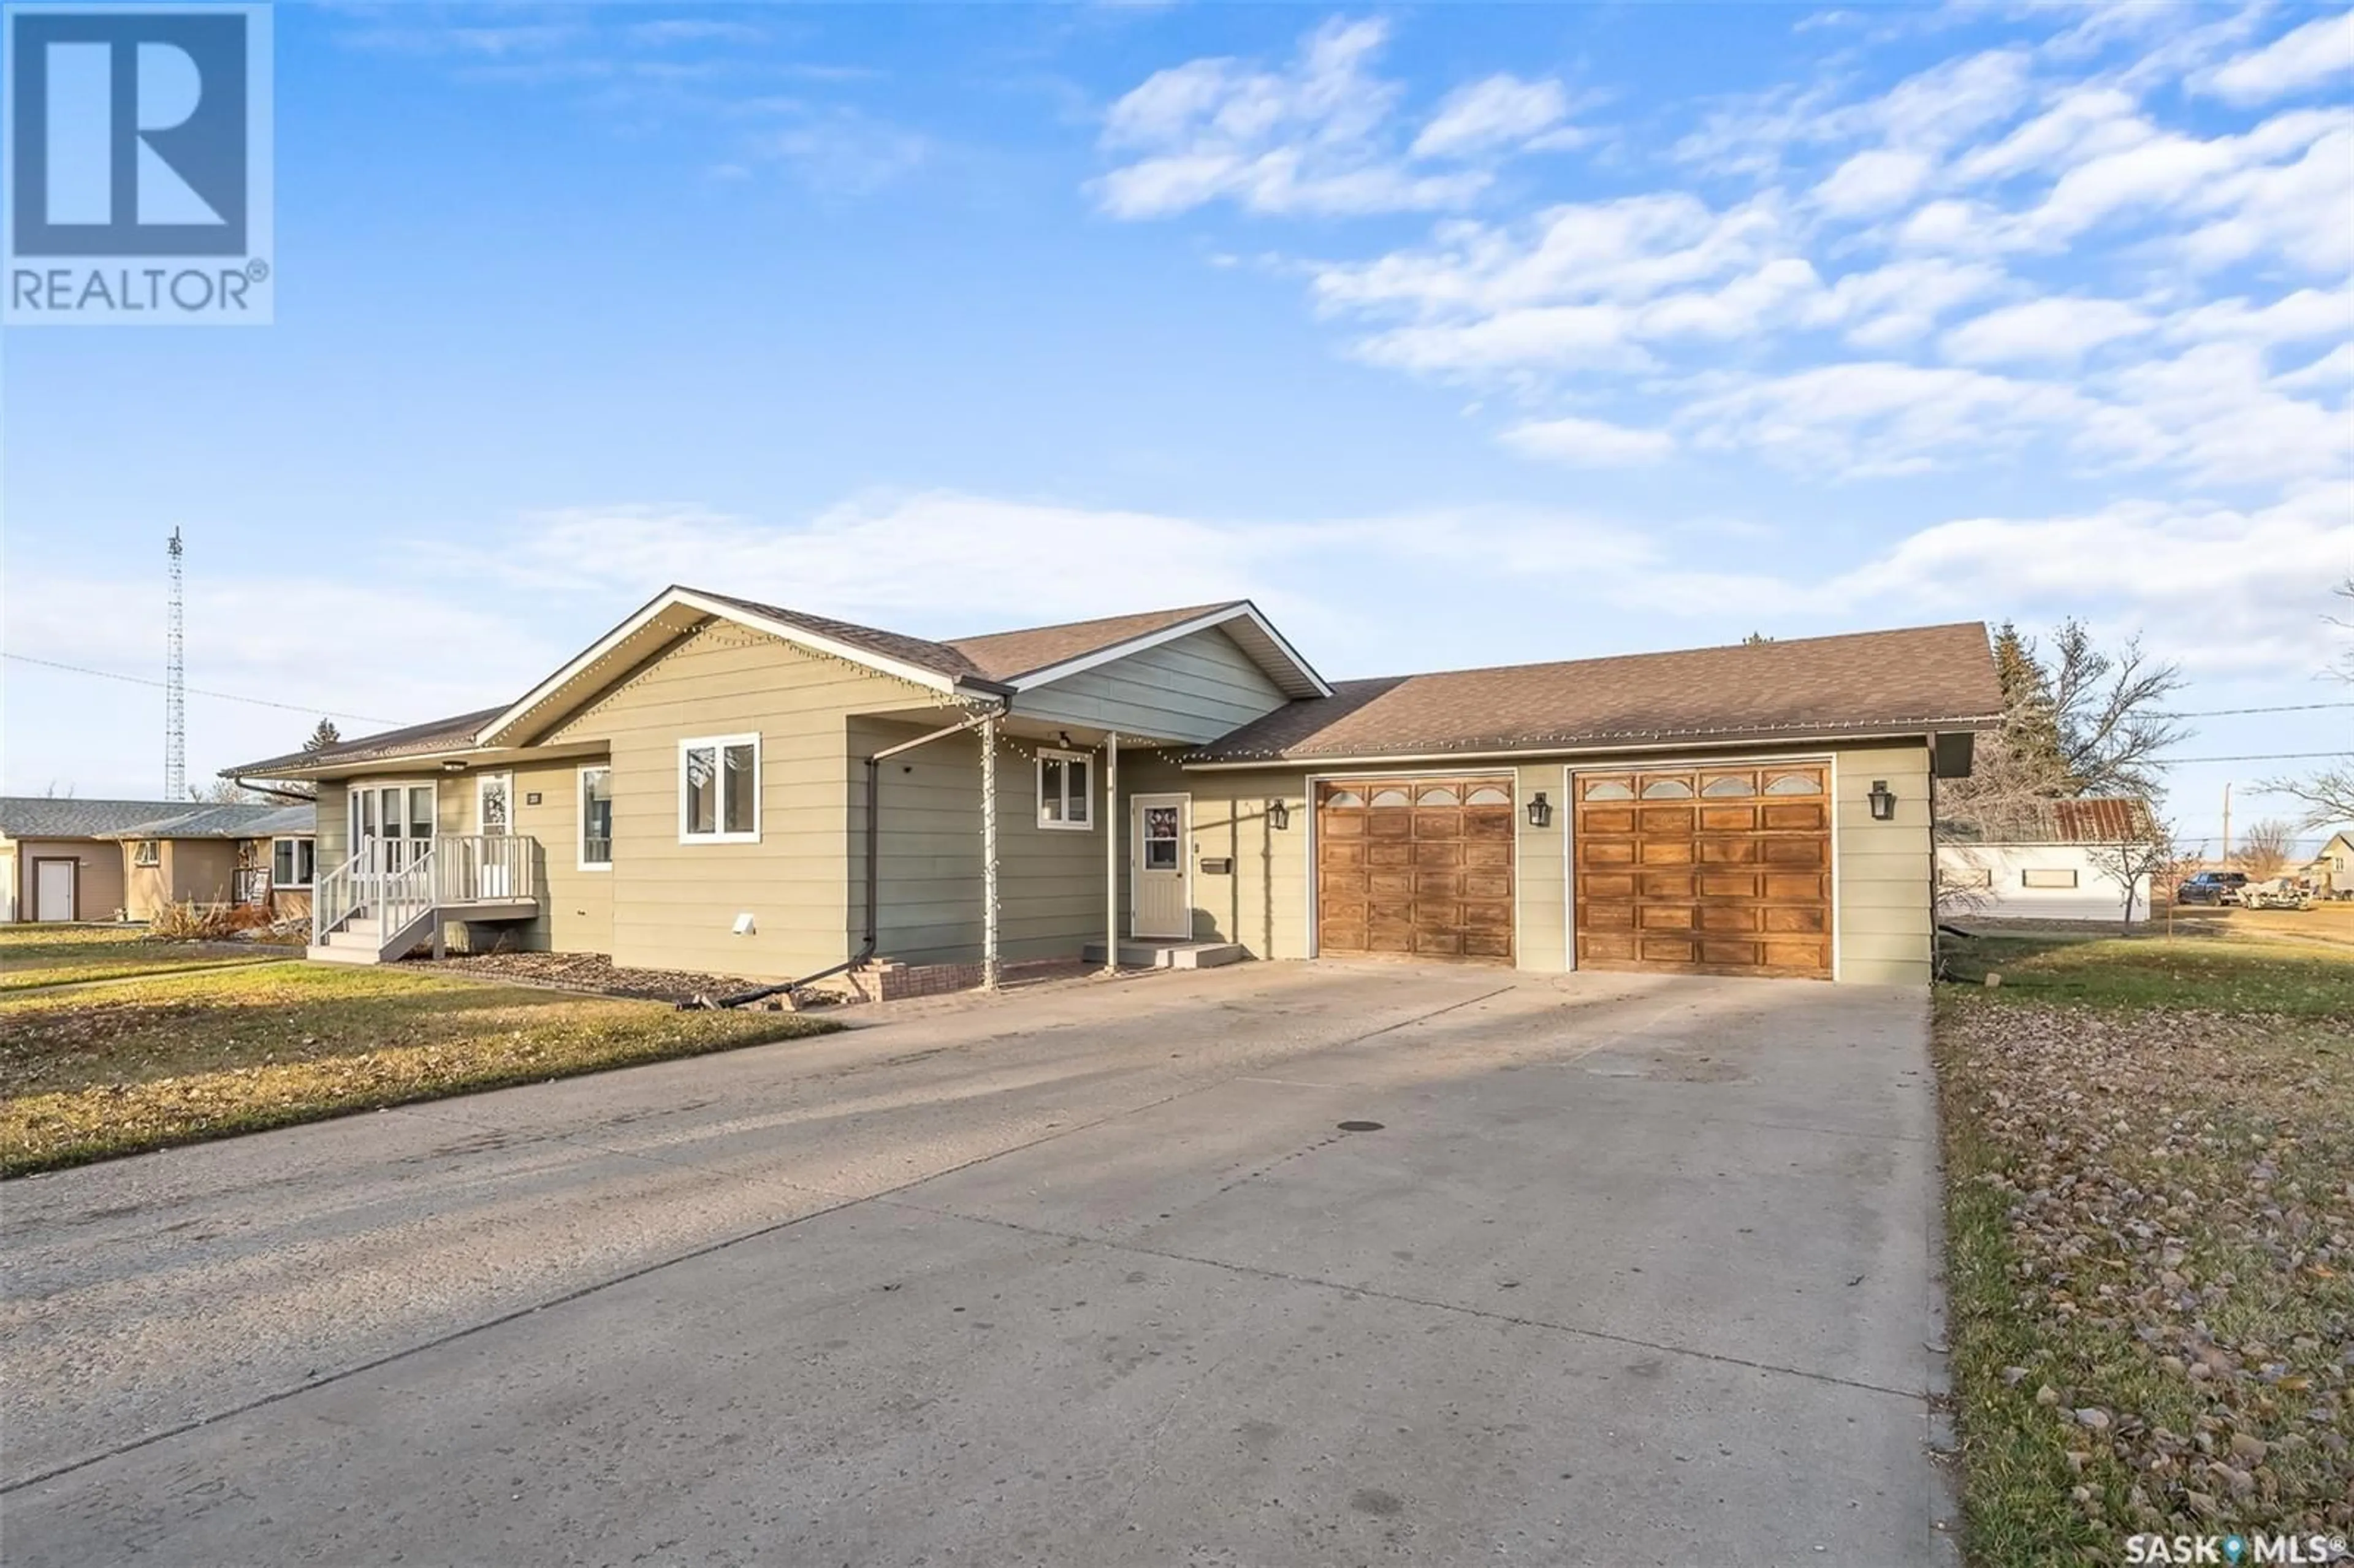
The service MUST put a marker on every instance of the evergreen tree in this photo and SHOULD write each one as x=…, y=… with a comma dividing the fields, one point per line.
x=325, y=735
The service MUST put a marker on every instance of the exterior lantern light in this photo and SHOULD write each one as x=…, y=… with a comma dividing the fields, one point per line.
x=1278, y=815
x=453, y=766
x=1883, y=803
x=1540, y=811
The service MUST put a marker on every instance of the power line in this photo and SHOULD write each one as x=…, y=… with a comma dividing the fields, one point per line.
x=2256, y=756
x=2221, y=713
x=199, y=691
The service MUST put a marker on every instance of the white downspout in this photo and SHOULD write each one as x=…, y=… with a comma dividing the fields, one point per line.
x=1111, y=854
x=989, y=852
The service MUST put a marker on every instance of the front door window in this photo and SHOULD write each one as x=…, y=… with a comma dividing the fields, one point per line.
x=1159, y=838
x=497, y=800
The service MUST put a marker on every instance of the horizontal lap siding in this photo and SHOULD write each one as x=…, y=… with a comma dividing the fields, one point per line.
x=1050, y=880
x=1196, y=688
x=576, y=907
x=1882, y=868
x=1886, y=929
x=1263, y=903
x=673, y=905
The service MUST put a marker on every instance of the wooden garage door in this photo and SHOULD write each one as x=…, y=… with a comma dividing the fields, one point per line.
x=1420, y=867
x=1714, y=870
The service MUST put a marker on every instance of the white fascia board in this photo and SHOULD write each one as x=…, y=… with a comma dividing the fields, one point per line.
x=1183, y=628
x=675, y=597
x=1669, y=745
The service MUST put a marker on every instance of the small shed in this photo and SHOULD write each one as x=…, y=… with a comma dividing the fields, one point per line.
x=2042, y=859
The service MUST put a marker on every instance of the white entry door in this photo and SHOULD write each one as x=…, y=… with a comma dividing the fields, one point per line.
x=494, y=819
x=1162, y=891
x=53, y=890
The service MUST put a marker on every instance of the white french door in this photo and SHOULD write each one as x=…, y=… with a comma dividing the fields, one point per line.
x=391, y=823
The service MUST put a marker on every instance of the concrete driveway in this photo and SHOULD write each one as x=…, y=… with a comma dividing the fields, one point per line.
x=1632, y=1271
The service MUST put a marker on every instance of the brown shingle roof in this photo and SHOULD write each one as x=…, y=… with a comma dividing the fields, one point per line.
x=1006, y=655
x=938, y=657
x=440, y=734
x=1871, y=683
x=993, y=656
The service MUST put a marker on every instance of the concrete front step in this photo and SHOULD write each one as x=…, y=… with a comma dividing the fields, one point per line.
x=1147, y=953
x=320, y=953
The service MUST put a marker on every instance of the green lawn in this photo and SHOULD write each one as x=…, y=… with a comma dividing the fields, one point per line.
x=39, y=955
x=94, y=1072
x=2149, y=1153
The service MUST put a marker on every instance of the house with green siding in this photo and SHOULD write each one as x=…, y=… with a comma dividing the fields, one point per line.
x=722, y=785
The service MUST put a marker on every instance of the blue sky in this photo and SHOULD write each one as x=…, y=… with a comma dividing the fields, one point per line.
x=1452, y=335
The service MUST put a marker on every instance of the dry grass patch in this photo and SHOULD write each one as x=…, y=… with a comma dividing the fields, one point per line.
x=2151, y=1219
x=39, y=955
x=150, y=1063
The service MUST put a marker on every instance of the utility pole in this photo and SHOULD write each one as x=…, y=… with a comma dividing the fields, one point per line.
x=175, y=693
x=2224, y=861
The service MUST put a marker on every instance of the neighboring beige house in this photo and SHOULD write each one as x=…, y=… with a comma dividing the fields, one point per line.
x=258, y=855
x=56, y=862
x=115, y=860
x=737, y=788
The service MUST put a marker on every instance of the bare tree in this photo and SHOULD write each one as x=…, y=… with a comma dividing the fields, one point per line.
x=225, y=792
x=2078, y=720
x=2109, y=708
x=2264, y=849
x=2149, y=854
x=2326, y=794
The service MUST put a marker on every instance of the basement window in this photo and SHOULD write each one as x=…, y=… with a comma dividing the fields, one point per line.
x=719, y=789
x=2048, y=876
x=1064, y=789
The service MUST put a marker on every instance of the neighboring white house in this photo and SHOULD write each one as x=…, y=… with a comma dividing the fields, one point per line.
x=2041, y=862
x=2333, y=869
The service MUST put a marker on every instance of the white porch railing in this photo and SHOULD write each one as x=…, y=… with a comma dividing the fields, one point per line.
x=484, y=868
x=396, y=880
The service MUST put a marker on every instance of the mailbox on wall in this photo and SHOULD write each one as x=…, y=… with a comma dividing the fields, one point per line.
x=1219, y=867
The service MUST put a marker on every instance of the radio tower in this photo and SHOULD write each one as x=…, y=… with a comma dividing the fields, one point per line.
x=175, y=695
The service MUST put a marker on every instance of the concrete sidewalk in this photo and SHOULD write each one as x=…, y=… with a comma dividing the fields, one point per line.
x=1632, y=1270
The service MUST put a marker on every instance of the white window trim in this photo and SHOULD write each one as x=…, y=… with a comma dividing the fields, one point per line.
x=140, y=858
x=297, y=840
x=581, y=809
x=1055, y=753
x=718, y=744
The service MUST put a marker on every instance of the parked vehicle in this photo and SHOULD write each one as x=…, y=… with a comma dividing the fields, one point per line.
x=2278, y=893
x=2211, y=887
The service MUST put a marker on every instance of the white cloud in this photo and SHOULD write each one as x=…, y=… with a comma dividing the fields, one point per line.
x=1872, y=182
x=1878, y=418
x=1305, y=139
x=2306, y=313
x=2087, y=122
x=2055, y=330
x=2297, y=61
x=1588, y=443
x=1502, y=111
x=1895, y=304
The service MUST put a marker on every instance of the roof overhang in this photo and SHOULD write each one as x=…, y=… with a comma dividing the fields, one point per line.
x=1252, y=631
x=1745, y=740
x=664, y=619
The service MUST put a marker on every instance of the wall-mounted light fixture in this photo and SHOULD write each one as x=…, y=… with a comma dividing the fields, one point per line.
x=1883, y=802
x=1278, y=815
x=1539, y=811
x=453, y=766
